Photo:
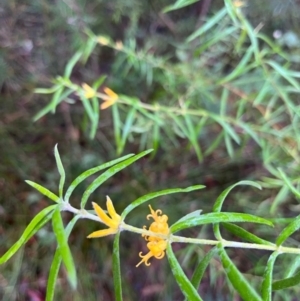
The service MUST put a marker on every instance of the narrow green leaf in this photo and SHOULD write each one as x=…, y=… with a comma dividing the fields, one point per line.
x=117, y=125
x=280, y=198
x=288, y=231
x=36, y=223
x=240, y=68
x=223, y=36
x=117, y=268
x=57, y=98
x=155, y=138
x=90, y=172
x=88, y=48
x=236, y=278
x=228, y=144
x=193, y=214
x=284, y=73
x=242, y=233
x=44, y=191
x=96, y=107
x=64, y=250
x=193, y=136
x=178, y=4
x=227, y=128
x=61, y=171
x=221, y=198
x=88, y=108
x=183, y=282
x=286, y=283
x=231, y=12
x=214, y=144
x=207, y=25
x=201, y=267
x=219, y=217
x=70, y=65
x=153, y=195
x=47, y=90
x=262, y=93
x=288, y=183
x=266, y=289
x=56, y=262
x=109, y=173
x=126, y=129
x=246, y=127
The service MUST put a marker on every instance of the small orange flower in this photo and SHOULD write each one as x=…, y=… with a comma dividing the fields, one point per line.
x=112, y=98
x=89, y=92
x=112, y=221
x=156, y=245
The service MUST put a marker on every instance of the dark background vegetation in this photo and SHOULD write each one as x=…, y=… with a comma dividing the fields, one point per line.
x=37, y=38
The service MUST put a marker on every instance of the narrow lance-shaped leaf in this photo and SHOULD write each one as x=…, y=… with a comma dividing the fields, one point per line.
x=57, y=97
x=193, y=136
x=109, y=173
x=36, y=223
x=64, y=249
x=56, y=262
x=74, y=59
x=201, y=267
x=184, y=283
x=43, y=191
x=126, y=129
x=61, y=171
x=288, y=231
x=288, y=183
x=117, y=268
x=236, y=278
x=240, y=68
x=117, y=125
x=90, y=172
x=221, y=198
x=96, y=108
x=209, y=24
x=152, y=195
x=286, y=283
x=218, y=217
x=266, y=289
x=178, y=4
x=244, y=234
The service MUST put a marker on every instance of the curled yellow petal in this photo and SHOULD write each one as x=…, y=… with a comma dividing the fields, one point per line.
x=101, y=233
x=145, y=258
x=111, y=93
x=112, y=98
x=111, y=210
x=89, y=92
x=103, y=216
x=107, y=104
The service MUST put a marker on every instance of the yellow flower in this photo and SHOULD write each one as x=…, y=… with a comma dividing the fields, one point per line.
x=89, y=92
x=112, y=221
x=112, y=98
x=156, y=245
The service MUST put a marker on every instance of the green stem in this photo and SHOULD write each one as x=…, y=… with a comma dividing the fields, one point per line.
x=175, y=238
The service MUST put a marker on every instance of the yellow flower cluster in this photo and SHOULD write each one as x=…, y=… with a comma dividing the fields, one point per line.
x=156, y=245
x=110, y=97
x=112, y=219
